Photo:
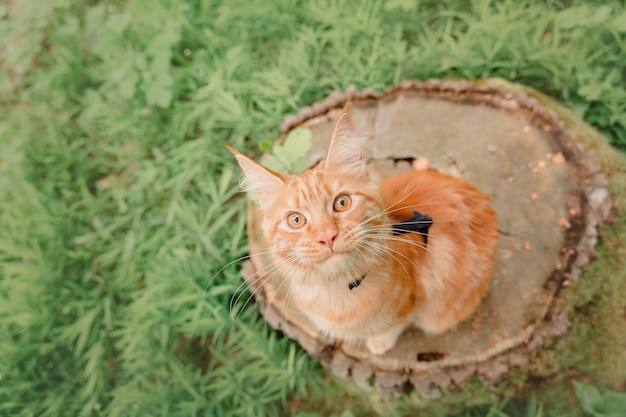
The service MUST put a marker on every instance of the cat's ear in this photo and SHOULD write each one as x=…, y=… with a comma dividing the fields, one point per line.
x=344, y=152
x=265, y=182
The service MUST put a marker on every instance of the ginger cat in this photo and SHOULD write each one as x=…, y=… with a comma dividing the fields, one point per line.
x=352, y=271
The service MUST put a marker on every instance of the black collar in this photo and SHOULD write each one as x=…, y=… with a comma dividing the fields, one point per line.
x=352, y=285
x=418, y=223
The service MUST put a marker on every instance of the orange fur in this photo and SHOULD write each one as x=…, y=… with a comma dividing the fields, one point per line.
x=320, y=250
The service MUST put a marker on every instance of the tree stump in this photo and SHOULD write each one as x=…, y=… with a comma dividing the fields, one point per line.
x=549, y=197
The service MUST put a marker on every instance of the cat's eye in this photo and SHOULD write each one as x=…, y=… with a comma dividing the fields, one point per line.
x=342, y=202
x=296, y=220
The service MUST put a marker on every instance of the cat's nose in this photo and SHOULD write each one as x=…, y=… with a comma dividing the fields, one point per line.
x=327, y=237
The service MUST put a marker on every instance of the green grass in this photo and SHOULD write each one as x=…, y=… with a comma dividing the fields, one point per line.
x=119, y=205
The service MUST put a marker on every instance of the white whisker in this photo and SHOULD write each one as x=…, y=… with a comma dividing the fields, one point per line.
x=378, y=233
x=390, y=209
x=242, y=258
x=390, y=251
x=262, y=274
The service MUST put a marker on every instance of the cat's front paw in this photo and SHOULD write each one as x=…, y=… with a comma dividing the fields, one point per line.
x=381, y=344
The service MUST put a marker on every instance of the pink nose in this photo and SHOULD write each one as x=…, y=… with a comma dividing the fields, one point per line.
x=327, y=237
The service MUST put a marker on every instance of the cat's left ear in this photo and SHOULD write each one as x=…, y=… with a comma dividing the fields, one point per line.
x=265, y=182
x=344, y=153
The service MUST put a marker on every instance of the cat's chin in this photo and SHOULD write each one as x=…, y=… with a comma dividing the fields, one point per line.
x=336, y=262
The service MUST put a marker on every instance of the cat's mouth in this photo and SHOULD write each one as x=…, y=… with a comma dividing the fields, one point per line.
x=330, y=260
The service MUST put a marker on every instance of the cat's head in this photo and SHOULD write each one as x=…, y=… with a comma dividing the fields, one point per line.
x=326, y=219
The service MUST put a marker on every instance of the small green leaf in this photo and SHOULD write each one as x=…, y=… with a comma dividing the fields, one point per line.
x=608, y=404
x=588, y=395
x=297, y=144
x=279, y=153
x=274, y=164
x=612, y=404
x=265, y=146
x=299, y=166
x=290, y=157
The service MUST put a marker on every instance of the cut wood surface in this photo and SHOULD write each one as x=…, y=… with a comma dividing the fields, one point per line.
x=549, y=196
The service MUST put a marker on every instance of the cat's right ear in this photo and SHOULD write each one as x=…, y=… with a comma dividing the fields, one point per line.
x=264, y=182
x=344, y=152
